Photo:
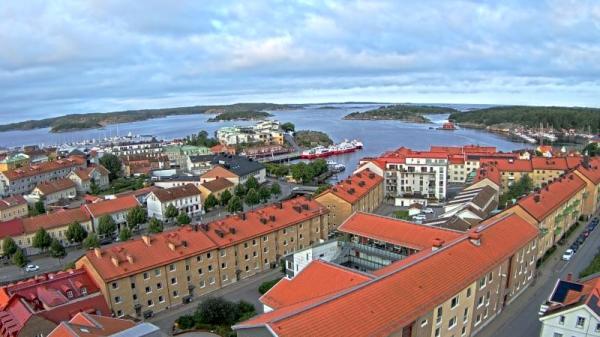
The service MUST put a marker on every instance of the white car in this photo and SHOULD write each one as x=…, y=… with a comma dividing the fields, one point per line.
x=420, y=217
x=568, y=254
x=427, y=210
x=31, y=268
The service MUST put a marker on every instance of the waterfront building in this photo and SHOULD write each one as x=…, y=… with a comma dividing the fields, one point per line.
x=572, y=309
x=130, y=147
x=360, y=192
x=265, y=132
x=36, y=306
x=23, y=180
x=13, y=207
x=186, y=199
x=53, y=192
x=178, y=154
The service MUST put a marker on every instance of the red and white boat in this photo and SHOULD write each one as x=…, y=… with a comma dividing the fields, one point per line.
x=335, y=149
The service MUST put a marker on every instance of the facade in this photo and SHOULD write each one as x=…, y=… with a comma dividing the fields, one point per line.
x=199, y=164
x=590, y=173
x=14, y=161
x=361, y=192
x=178, y=154
x=86, y=325
x=215, y=187
x=265, y=132
x=53, y=192
x=572, y=309
x=13, y=207
x=144, y=276
x=23, y=180
x=83, y=178
x=35, y=307
x=476, y=275
x=144, y=164
x=186, y=199
x=243, y=167
x=116, y=208
x=128, y=148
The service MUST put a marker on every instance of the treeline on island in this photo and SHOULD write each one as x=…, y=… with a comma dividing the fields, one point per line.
x=532, y=116
x=240, y=115
x=97, y=120
x=402, y=112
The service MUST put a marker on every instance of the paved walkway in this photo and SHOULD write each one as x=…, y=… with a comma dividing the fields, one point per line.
x=520, y=318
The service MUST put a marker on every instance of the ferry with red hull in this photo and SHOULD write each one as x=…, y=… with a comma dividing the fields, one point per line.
x=335, y=149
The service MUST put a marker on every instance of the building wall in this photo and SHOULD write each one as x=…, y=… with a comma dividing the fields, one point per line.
x=53, y=198
x=27, y=184
x=544, y=176
x=18, y=211
x=565, y=324
x=339, y=209
x=25, y=240
x=590, y=196
x=190, y=205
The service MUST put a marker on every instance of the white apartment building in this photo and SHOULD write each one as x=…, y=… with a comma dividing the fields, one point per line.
x=424, y=177
x=268, y=132
x=185, y=198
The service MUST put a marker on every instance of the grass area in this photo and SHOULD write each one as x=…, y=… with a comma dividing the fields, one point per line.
x=592, y=268
x=124, y=184
x=265, y=286
x=401, y=214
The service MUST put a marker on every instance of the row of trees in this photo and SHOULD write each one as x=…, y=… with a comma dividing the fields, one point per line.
x=250, y=193
x=301, y=172
x=216, y=313
x=201, y=139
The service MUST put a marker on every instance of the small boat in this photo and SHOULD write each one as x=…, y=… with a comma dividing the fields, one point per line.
x=335, y=167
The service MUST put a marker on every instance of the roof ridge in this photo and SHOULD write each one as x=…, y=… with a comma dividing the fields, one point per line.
x=400, y=220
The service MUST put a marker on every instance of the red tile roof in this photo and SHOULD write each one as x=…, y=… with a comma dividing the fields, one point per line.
x=111, y=206
x=310, y=283
x=509, y=165
x=11, y=202
x=218, y=172
x=177, y=192
x=42, y=168
x=87, y=325
x=554, y=195
x=234, y=229
x=162, y=249
x=557, y=163
x=11, y=228
x=489, y=172
x=591, y=171
x=384, y=305
x=217, y=185
x=59, y=218
x=54, y=186
x=398, y=232
x=463, y=149
x=85, y=173
x=355, y=186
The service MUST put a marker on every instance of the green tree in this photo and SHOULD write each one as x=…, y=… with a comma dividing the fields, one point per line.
x=113, y=164
x=592, y=149
x=92, y=241
x=239, y=190
x=41, y=239
x=183, y=219
x=76, y=233
x=94, y=188
x=19, y=258
x=275, y=189
x=264, y=193
x=252, y=198
x=288, y=127
x=39, y=207
x=322, y=189
x=106, y=226
x=210, y=202
x=216, y=311
x=125, y=234
x=298, y=172
x=251, y=183
x=136, y=216
x=521, y=187
x=155, y=225
x=171, y=211
x=235, y=205
x=265, y=286
x=225, y=197
x=57, y=250
x=9, y=247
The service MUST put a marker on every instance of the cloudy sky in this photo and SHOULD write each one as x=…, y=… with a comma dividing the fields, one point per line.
x=60, y=57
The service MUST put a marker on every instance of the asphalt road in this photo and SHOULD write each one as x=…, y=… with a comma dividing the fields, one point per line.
x=520, y=318
x=246, y=289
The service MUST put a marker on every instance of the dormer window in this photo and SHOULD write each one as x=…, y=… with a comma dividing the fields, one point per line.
x=70, y=294
x=84, y=291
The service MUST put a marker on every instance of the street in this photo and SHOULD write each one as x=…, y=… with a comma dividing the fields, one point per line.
x=520, y=318
x=246, y=289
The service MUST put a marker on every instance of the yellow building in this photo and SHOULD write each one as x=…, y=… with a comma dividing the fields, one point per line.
x=13, y=207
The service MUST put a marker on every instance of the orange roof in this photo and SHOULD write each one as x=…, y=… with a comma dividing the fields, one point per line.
x=463, y=149
x=591, y=171
x=310, y=283
x=489, y=172
x=261, y=221
x=42, y=168
x=398, y=232
x=355, y=186
x=384, y=305
x=218, y=172
x=85, y=173
x=509, y=165
x=10, y=202
x=542, y=163
x=54, y=186
x=217, y=185
x=59, y=218
x=111, y=206
x=134, y=256
x=87, y=325
x=540, y=204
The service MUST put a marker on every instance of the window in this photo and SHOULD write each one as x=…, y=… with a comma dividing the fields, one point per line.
x=211, y=280
x=466, y=315
x=266, y=249
x=69, y=294
x=482, y=283
x=159, y=285
x=134, y=296
x=84, y=291
x=439, y=315
x=452, y=323
x=245, y=244
x=146, y=276
x=224, y=265
x=202, y=284
x=119, y=313
x=132, y=285
x=597, y=327
x=198, y=258
x=210, y=267
x=491, y=276
x=172, y=267
x=246, y=257
x=225, y=277
x=254, y=242
x=580, y=322
x=454, y=302
x=117, y=299
x=161, y=299
x=175, y=293
x=556, y=334
x=173, y=280
x=156, y=272
x=148, y=290
x=480, y=301
x=200, y=271
x=423, y=323
x=478, y=319
x=150, y=303
x=223, y=253
x=208, y=255
x=437, y=332
x=115, y=285
x=265, y=238
x=468, y=292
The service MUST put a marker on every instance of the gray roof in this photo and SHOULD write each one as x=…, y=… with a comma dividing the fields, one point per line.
x=237, y=164
x=141, y=330
x=201, y=158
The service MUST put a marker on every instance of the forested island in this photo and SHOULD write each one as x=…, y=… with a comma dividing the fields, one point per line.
x=531, y=116
x=97, y=120
x=240, y=116
x=401, y=112
x=309, y=138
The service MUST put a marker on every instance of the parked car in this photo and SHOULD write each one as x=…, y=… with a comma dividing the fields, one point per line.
x=419, y=217
x=574, y=247
x=427, y=210
x=31, y=268
x=568, y=254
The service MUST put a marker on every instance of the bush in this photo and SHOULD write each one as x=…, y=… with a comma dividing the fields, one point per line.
x=185, y=322
x=592, y=268
x=265, y=286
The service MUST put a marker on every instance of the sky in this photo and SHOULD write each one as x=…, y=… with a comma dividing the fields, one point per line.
x=59, y=57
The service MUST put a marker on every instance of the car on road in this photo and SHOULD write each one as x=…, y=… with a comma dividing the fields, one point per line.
x=427, y=210
x=420, y=217
x=568, y=254
x=31, y=268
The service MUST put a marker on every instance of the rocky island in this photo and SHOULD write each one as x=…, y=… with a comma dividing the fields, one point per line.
x=309, y=138
x=240, y=116
x=401, y=112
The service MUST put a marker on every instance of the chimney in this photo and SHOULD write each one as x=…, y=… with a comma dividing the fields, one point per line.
x=436, y=244
x=569, y=277
x=232, y=230
x=171, y=246
x=98, y=252
x=280, y=205
x=305, y=207
x=147, y=240
x=263, y=221
x=243, y=216
x=272, y=218
x=114, y=261
x=536, y=198
x=130, y=258
x=475, y=238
